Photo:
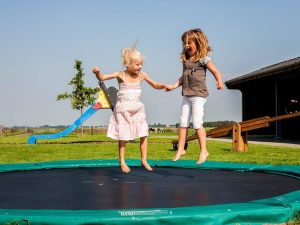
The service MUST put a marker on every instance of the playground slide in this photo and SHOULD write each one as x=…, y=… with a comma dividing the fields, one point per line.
x=106, y=99
x=87, y=114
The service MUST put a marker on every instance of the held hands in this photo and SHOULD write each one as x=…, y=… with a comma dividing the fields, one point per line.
x=169, y=88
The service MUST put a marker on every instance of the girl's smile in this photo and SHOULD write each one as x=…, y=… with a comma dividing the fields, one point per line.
x=190, y=48
x=136, y=67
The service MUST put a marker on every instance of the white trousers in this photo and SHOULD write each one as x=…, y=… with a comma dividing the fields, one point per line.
x=192, y=108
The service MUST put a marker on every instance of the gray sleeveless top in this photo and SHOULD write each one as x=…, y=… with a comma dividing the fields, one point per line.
x=194, y=78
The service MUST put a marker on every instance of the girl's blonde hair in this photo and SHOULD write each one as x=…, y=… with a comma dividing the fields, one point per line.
x=201, y=41
x=129, y=55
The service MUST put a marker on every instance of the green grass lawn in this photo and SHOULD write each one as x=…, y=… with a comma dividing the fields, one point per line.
x=14, y=149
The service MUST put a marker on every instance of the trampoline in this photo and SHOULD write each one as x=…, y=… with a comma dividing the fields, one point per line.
x=97, y=192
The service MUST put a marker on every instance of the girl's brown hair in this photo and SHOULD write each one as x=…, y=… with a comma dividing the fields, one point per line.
x=201, y=41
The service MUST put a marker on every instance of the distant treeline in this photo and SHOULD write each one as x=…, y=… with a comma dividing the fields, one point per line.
x=99, y=129
x=206, y=124
x=218, y=123
x=211, y=124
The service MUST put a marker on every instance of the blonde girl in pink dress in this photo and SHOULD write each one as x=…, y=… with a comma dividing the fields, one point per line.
x=128, y=121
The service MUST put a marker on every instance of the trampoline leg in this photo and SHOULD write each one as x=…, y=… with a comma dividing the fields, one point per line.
x=186, y=145
x=175, y=147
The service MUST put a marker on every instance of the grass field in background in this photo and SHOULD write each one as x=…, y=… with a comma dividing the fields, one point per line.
x=14, y=149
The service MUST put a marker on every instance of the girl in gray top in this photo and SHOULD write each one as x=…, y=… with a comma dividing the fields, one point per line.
x=195, y=61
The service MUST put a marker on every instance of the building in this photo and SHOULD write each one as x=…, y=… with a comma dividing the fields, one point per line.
x=268, y=92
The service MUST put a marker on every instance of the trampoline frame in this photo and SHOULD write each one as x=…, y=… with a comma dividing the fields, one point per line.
x=278, y=209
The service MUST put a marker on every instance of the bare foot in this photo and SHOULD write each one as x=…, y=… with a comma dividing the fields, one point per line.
x=178, y=155
x=125, y=168
x=203, y=157
x=147, y=166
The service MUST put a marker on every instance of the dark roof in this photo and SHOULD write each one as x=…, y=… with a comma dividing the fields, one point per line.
x=289, y=65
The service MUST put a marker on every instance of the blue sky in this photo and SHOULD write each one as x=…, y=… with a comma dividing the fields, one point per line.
x=40, y=40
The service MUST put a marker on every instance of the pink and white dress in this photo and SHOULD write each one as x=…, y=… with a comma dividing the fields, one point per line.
x=129, y=119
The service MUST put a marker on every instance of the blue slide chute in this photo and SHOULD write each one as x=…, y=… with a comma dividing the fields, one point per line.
x=87, y=114
x=106, y=100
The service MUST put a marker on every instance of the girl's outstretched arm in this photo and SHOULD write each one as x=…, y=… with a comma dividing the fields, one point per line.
x=177, y=83
x=101, y=76
x=216, y=73
x=153, y=83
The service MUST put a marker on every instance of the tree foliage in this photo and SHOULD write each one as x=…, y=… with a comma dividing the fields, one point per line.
x=81, y=96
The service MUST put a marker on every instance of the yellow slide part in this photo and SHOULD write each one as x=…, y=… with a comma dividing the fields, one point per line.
x=103, y=100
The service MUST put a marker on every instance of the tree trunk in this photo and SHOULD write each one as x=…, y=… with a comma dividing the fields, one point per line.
x=82, y=123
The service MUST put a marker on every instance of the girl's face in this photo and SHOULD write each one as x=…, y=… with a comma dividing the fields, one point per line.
x=190, y=47
x=136, y=66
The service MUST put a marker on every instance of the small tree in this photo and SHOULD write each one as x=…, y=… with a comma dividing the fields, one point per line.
x=81, y=96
